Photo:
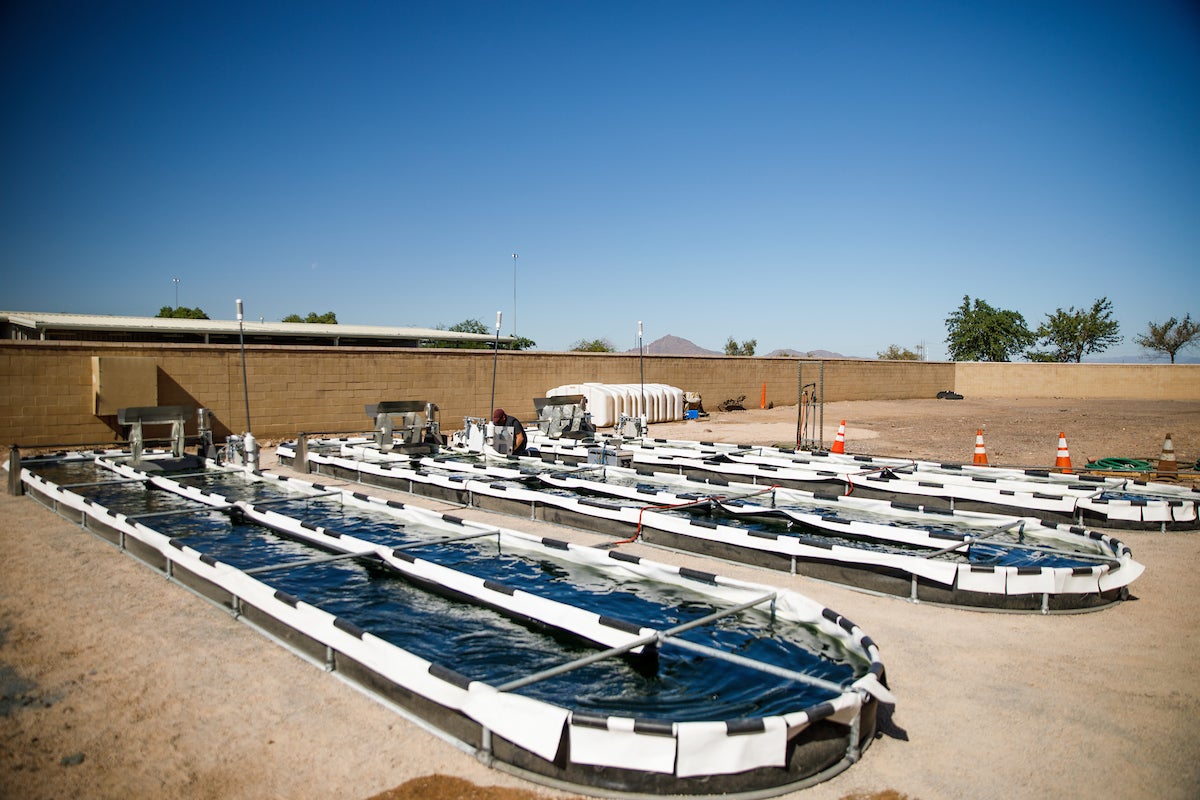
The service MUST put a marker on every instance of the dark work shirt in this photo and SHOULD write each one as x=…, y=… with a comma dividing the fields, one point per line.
x=518, y=433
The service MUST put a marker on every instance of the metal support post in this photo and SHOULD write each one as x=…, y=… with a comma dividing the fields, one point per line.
x=853, y=753
x=485, y=754
x=301, y=458
x=821, y=413
x=15, y=487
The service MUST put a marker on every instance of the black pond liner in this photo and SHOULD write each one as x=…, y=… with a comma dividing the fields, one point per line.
x=674, y=720
x=870, y=556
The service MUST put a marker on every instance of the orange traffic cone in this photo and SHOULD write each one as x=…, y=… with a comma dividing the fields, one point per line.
x=839, y=441
x=980, y=453
x=1166, y=462
x=1063, y=461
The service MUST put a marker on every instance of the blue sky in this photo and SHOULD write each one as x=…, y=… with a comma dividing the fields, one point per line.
x=806, y=174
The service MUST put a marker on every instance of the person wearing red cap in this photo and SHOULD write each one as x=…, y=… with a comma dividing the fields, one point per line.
x=500, y=419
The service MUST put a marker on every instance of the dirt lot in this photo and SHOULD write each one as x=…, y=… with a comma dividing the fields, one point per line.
x=115, y=683
x=1015, y=432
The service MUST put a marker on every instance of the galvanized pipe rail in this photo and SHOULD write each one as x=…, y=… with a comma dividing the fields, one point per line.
x=112, y=482
x=750, y=663
x=571, y=666
x=294, y=498
x=1058, y=552
x=1021, y=545
x=178, y=512
x=967, y=542
x=115, y=481
x=670, y=636
x=301, y=457
x=308, y=561
x=15, y=487
x=448, y=539
x=96, y=445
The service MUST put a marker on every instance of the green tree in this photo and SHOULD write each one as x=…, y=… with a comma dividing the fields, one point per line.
x=746, y=348
x=328, y=318
x=978, y=332
x=466, y=326
x=469, y=326
x=181, y=312
x=895, y=352
x=1070, y=335
x=522, y=343
x=1170, y=337
x=593, y=346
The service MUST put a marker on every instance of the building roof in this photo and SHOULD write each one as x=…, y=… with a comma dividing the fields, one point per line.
x=103, y=327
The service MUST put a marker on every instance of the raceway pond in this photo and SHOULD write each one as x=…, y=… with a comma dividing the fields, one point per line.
x=1010, y=548
x=475, y=640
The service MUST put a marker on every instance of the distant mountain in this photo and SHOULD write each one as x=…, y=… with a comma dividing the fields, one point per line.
x=678, y=346
x=675, y=346
x=806, y=354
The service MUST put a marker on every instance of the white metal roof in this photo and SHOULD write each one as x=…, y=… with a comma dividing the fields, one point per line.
x=42, y=320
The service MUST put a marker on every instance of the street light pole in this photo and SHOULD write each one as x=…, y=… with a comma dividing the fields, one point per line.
x=176, y=281
x=495, y=355
x=642, y=377
x=245, y=383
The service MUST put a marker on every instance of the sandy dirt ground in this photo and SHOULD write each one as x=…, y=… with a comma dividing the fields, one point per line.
x=116, y=683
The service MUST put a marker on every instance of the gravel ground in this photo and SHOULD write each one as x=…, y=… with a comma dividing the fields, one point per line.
x=115, y=683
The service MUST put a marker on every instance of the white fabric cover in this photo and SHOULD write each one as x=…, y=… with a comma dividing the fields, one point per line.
x=620, y=746
x=993, y=581
x=525, y=722
x=1127, y=574
x=1084, y=583
x=1122, y=509
x=706, y=748
x=1041, y=583
x=1156, y=512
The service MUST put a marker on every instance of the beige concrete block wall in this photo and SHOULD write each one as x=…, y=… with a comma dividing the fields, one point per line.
x=1146, y=381
x=46, y=391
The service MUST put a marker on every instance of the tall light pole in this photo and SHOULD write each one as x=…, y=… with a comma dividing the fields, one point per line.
x=245, y=383
x=514, y=329
x=176, y=282
x=495, y=355
x=642, y=377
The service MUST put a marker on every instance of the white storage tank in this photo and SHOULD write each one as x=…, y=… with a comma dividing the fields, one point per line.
x=607, y=402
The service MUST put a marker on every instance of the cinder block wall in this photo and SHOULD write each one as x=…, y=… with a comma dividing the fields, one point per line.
x=1145, y=381
x=46, y=387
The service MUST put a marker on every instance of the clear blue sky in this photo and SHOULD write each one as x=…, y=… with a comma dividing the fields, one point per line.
x=807, y=174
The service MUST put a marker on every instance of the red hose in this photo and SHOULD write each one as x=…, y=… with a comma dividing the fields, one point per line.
x=717, y=497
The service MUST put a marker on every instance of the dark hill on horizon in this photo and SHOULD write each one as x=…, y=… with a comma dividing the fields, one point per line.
x=678, y=346
x=675, y=346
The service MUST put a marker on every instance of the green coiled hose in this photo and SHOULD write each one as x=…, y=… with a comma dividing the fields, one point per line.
x=1122, y=464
